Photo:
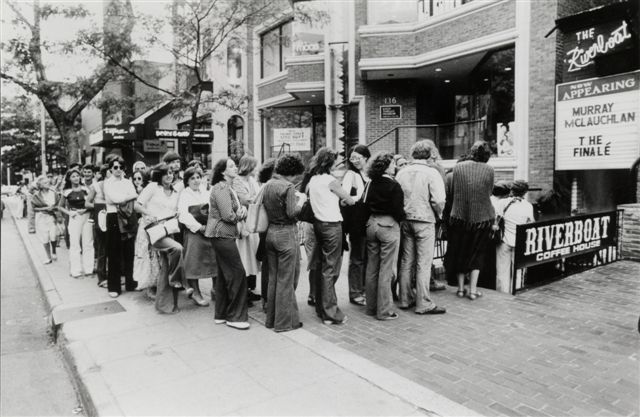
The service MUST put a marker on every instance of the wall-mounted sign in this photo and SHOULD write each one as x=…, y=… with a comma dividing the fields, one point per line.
x=153, y=145
x=541, y=242
x=295, y=139
x=305, y=43
x=391, y=112
x=598, y=123
x=119, y=132
x=199, y=135
x=583, y=47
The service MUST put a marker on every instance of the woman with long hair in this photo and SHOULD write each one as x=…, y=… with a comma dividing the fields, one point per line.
x=282, y=245
x=264, y=175
x=199, y=257
x=72, y=204
x=225, y=211
x=45, y=204
x=158, y=201
x=353, y=183
x=325, y=193
x=385, y=200
x=140, y=179
x=471, y=218
x=119, y=194
x=246, y=187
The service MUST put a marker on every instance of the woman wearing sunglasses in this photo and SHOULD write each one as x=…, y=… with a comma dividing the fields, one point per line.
x=118, y=191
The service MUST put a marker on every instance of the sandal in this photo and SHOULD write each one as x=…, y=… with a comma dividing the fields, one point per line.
x=360, y=301
x=473, y=295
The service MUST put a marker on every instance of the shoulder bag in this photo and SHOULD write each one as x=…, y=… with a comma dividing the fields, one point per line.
x=257, y=219
x=162, y=228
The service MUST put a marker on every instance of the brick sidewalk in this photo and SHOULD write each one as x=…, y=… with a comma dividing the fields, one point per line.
x=568, y=348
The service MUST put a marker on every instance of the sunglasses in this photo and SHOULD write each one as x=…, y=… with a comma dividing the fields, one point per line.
x=116, y=167
x=137, y=178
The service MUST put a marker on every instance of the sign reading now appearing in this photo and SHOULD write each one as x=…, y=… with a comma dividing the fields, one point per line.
x=295, y=139
x=598, y=123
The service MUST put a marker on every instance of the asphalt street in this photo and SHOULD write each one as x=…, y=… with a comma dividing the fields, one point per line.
x=34, y=381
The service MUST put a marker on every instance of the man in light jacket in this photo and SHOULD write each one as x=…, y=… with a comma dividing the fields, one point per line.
x=424, y=199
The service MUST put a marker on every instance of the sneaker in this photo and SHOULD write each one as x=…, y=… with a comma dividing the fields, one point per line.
x=48, y=261
x=113, y=294
x=240, y=325
x=434, y=310
x=391, y=316
x=219, y=321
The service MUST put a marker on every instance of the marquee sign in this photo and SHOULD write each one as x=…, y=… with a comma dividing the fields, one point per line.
x=119, y=132
x=598, y=123
x=202, y=135
x=547, y=241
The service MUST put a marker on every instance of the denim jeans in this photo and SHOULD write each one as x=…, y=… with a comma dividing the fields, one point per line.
x=328, y=250
x=231, y=283
x=383, y=239
x=418, y=243
x=283, y=254
x=357, y=265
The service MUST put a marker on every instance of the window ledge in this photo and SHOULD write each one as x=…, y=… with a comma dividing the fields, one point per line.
x=279, y=76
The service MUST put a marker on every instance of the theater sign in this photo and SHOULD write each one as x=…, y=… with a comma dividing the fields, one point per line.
x=598, y=123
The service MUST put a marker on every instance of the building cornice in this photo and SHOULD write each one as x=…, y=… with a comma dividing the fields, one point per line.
x=454, y=51
x=304, y=59
x=413, y=28
x=274, y=101
x=304, y=86
x=279, y=76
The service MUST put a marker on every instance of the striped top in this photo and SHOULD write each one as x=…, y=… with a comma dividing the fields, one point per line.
x=472, y=184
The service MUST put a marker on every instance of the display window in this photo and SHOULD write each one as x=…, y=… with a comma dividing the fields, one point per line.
x=299, y=130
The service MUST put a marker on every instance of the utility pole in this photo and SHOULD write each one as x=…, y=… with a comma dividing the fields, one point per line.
x=43, y=150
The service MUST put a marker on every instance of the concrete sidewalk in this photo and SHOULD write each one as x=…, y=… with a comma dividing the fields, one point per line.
x=132, y=361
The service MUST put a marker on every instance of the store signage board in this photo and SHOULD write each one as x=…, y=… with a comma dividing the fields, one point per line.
x=598, y=123
x=547, y=241
x=152, y=145
x=118, y=132
x=390, y=111
x=295, y=139
x=201, y=135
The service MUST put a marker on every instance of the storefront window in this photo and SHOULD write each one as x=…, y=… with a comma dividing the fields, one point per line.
x=234, y=62
x=382, y=12
x=275, y=46
x=459, y=106
x=294, y=129
x=235, y=137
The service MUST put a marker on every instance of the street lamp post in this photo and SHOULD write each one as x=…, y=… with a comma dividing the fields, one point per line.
x=43, y=150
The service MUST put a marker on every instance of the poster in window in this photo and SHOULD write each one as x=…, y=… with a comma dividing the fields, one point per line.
x=504, y=138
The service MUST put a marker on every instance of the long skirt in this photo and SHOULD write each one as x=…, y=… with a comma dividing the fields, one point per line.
x=199, y=257
x=146, y=263
x=466, y=248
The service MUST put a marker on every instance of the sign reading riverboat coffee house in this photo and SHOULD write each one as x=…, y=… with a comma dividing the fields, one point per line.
x=598, y=123
x=547, y=241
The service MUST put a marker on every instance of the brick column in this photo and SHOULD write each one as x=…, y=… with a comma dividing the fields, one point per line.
x=630, y=237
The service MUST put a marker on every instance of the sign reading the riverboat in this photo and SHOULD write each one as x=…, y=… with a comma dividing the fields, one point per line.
x=547, y=241
x=294, y=139
x=584, y=47
x=391, y=112
x=598, y=123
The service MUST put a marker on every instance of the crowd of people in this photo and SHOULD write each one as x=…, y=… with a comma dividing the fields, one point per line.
x=164, y=229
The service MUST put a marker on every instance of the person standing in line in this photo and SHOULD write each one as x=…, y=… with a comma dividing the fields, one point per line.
x=472, y=217
x=199, y=257
x=384, y=198
x=95, y=201
x=515, y=210
x=45, y=204
x=309, y=240
x=140, y=180
x=353, y=183
x=173, y=160
x=424, y=200
x=158, y=201
x=325, y=192
x=118, y=192
x=225, y=211
x=87, y=175
x=282, y=245
x=139, y=166
x=246, y=187
x=264, y=175
x=72, y=204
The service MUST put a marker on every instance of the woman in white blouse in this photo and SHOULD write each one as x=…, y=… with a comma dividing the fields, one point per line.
x=199, y=257
x=159, y=201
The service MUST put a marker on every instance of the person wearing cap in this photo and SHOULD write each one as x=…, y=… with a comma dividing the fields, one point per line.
x=139, y=166
x=515, y=210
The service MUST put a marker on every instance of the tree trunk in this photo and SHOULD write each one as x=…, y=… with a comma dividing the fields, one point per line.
x=192, y=125
x=68, y=140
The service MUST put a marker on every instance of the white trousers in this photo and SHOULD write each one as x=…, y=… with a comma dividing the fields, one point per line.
x=81, y=253
x=504, y=267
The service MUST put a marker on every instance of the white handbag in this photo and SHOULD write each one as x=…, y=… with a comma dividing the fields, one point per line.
x=162, y=228
x=102, y=220
x=257, y=218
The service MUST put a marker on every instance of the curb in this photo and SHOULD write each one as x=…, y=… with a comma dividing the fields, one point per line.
x=70, y=355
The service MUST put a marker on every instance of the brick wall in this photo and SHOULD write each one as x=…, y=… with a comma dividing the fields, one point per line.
x=630, y=241
x=542, y=79
x=468, y=27
x=305, y=73
x=272, y=89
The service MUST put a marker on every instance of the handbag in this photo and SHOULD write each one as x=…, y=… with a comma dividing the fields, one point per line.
x=102, y=220
x=306, y=212
x=497, y=233
x=257, y=219
x=200, y=212
x=162, y=228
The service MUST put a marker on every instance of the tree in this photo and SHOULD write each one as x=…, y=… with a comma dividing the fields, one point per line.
x=201, y=28
x=26, y=65
x=20, y=135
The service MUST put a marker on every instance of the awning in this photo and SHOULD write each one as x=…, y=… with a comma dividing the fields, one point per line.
x=162, y=108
